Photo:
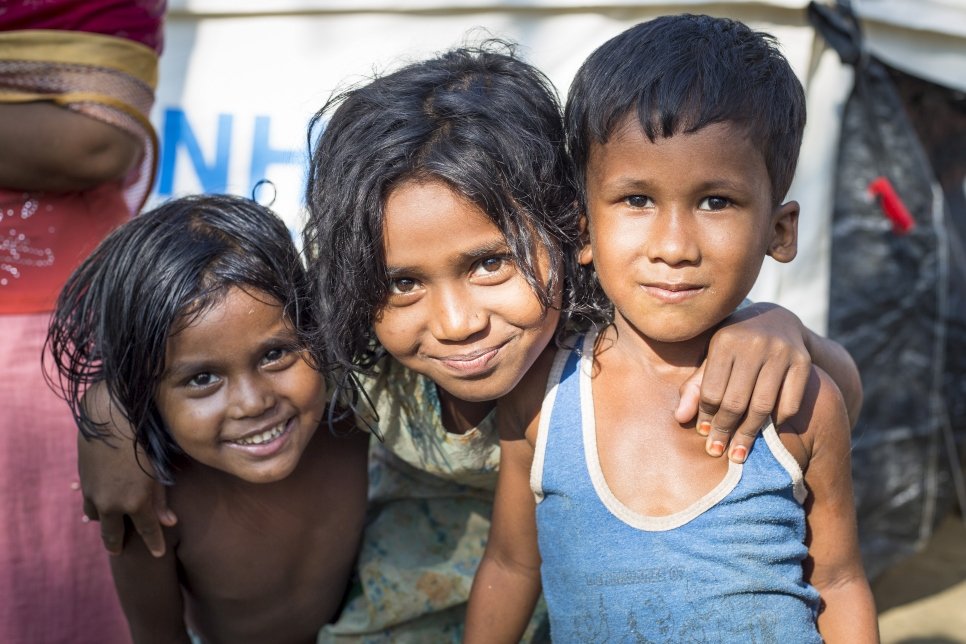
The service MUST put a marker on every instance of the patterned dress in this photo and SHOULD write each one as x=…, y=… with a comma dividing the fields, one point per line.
x=431, y=496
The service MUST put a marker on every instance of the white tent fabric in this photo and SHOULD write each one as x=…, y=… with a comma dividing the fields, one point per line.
x=239, y=82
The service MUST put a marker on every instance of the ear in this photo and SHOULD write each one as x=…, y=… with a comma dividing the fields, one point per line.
x=784, y=228
x=585, y=256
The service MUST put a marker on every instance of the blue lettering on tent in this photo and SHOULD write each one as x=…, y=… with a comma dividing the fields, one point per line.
x=263, y=155
x=177, y=132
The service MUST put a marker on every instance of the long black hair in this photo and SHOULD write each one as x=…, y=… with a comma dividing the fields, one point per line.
x=150, y=278
x=479, y=119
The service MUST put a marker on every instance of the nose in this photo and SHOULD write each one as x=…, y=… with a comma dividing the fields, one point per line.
x=251, y=396
x=456, y=314
x=671, y=237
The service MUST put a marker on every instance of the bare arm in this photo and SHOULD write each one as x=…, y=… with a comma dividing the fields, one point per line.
x=150, y=594
x=114, y=483
x=834, y=565
x=507, y=583
x=758, y=365
x=47, y=147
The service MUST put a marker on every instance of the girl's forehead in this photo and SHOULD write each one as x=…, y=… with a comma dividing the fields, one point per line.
x=428, y=219
x=217, y=302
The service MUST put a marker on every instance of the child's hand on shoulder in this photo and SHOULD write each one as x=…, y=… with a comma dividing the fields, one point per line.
x=758, y=365
x=114, y=483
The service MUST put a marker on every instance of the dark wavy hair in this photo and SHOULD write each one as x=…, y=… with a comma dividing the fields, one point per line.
x=477, y=118
x=150, y=278
x=681, y=73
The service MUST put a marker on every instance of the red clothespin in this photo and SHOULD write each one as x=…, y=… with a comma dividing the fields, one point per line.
x=892, y=206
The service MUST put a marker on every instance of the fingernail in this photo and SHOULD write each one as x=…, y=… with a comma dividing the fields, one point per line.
x=85, y=519
x=717, y=448
x=739, y=453
x=704, y=427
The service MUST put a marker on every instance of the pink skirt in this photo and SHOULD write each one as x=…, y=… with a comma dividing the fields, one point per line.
x=55, y=581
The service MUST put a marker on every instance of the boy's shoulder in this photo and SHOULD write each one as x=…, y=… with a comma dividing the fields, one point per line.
x=822, y=417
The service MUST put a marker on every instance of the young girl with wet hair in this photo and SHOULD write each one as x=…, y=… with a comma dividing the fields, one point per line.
x=442, y=241
x=188, y=319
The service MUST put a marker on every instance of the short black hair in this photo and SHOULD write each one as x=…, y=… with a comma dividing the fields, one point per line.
x=479, y=119
x=681, y=73
x=150, y=278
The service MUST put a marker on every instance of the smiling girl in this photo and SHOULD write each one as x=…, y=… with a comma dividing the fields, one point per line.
x=189, y=314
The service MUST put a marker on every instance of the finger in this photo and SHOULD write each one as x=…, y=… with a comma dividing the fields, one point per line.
x=112, y=533
x=717, y=441
x=792, y=391
x=146, y=524
x=760, y=407
x=690, y=393
x=90, y=510
x=741, y=445
x=714, y=382
x=165, y=515
x=735, y=402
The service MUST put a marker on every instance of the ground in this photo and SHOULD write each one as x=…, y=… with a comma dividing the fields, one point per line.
x=922, y=600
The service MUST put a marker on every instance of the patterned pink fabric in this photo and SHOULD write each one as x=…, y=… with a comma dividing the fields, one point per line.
x=137, y=20
x=55, y=582
x=44, y=237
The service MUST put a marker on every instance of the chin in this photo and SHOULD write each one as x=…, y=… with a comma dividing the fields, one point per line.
x=272, y=474
x=476, y=392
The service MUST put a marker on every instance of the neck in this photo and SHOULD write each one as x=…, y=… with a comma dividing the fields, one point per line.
x=670, y=361
x=460, y=416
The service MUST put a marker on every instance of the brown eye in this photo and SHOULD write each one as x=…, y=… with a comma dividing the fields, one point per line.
x=274, y=355
x=492, y=264
x=402, y=285
x=202, y=380
x=638, y=201
x=714, y=203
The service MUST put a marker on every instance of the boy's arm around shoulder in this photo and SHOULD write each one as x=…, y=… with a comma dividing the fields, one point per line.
x=150, y=592
x=507, y=583
x=834, y=563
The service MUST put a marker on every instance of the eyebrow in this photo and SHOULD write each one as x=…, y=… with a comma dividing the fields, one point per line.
x=496, y=247
x=184, y=368
x=722, y=184
x=624, y=184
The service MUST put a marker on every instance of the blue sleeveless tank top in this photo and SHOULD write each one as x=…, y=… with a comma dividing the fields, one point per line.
x=726, y=569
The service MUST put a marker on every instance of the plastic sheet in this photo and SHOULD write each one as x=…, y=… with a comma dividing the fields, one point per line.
x=897, y=296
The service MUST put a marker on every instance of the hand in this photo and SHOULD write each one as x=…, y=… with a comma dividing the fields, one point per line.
x=758, y=365
x=115, y=483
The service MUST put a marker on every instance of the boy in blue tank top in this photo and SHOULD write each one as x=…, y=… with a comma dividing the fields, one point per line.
x=685, y=131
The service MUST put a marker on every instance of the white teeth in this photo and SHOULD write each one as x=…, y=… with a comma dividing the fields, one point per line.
x=264, y=437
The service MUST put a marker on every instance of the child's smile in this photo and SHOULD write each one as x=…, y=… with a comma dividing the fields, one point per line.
x=459, y=311
x=236, y=395
x=679, y=226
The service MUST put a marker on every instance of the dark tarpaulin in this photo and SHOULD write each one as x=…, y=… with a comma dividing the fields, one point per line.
x=897, y=299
